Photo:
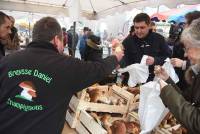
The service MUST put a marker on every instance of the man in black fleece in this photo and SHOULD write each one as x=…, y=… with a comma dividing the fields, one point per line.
x=36, y=84
x=145, y=42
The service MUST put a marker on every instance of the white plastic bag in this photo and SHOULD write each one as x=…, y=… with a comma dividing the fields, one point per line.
x=144, y=59
x=170, y=70
x=151, y=109
x=138, y=73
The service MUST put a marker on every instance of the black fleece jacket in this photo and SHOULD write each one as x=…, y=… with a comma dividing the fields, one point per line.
x=153, y=45
x=36, y=85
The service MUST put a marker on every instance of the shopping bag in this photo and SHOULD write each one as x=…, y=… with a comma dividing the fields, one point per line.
x=138, y=73
x=151, y=109
x=170, y=70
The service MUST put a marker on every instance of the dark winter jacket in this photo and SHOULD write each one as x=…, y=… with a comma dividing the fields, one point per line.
x=36, y=85
x=70, y=38
x=178, y=52
x=152, y=45
x=93, y=51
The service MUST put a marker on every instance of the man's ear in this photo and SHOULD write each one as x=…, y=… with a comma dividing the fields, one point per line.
x=55, y=41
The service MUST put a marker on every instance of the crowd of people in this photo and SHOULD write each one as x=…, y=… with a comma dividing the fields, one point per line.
x=183, y=98
x=50, y=77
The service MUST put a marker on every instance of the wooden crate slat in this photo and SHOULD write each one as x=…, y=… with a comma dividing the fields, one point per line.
x=74, y=103
x=134, y=115
x=165, y=131
x=91, y=124
x=174, y=127
x=99, y=107
x=158, y=131
x=133, y=106
x=81, y=129
x=123, y=93
x=103, y=88
x=72, y=121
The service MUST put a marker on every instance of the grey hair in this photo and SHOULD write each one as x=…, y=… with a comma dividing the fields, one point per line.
x=191, y=34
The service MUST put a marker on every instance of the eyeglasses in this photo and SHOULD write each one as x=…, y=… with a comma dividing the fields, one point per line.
x=186, y=49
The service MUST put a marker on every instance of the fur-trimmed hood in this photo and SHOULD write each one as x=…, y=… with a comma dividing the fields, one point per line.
x=191, y=72
x=94, y=42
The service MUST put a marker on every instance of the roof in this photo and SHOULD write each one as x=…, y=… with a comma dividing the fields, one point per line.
x=91, y=9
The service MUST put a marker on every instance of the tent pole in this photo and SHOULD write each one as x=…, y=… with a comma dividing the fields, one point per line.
x=29, y=29
x=158, y=8
x=73, y=39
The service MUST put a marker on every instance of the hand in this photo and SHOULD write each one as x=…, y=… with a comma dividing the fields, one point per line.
x=118, y=67
x=150, y=60
x=176, y=62
x=119, y=53
x=117, y=46
x=162, y=84
x=160, y=73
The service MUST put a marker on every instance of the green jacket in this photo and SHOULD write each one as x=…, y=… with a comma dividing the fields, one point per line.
x=187, y=112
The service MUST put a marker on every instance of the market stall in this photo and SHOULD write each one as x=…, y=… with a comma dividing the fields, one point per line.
x=112, y=108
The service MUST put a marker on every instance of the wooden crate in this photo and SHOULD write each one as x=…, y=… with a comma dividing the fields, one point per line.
x=79, y=104
x=131, y=99
x=133, y=116
x=86, y=124
x=159, y=130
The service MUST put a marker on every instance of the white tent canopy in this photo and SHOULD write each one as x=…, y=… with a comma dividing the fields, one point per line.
x=114, y=16
x=91, y=9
